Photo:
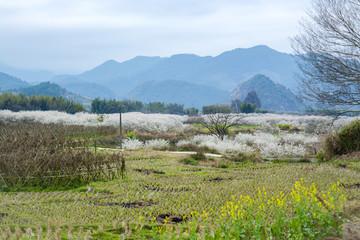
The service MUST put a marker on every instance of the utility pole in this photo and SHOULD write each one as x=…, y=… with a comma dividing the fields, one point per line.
x=120, y=131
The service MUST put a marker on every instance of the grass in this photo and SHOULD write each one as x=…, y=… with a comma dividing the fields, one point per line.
x=167, y=195
x=178, y=192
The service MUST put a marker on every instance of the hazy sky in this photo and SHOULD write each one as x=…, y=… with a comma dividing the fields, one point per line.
x=76, y=35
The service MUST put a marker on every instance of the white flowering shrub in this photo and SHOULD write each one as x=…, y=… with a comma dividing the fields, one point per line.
x=311, y=124
x=132, y=143
x=131, y=121
x=268, y=145
x=272, y=129
x=157, y=143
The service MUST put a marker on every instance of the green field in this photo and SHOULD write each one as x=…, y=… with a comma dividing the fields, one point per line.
x=163, y=195
x=158, y=185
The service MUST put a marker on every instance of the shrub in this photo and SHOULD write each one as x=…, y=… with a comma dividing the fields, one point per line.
x=157, y=144
x=320, y=156
x=223, y=165
x=131, y=135
x=345, y=141
x=242, y=157
x=199, y=156
x=133, y=143
x=284, y=126
x=192, y=147
x=190, y=161
x=41, y=156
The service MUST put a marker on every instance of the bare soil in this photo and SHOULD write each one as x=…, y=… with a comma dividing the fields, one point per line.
x=170, y=218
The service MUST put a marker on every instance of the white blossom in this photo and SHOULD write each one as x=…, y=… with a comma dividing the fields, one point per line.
x=157, y=143
x=132, y=143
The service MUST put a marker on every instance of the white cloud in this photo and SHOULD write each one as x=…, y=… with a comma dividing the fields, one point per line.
x=76, y=35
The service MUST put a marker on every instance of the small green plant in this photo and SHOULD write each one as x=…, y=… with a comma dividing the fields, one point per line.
x=4, y=188
x=320, y=156
x=223, y=165
x=131, y=135
x=101, y=118
x=284, y=127
x=190, y=161
x=304, y=214
x=199, y=156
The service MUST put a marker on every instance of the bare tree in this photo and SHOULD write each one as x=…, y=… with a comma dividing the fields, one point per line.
x=218, y=124
x=328, y=52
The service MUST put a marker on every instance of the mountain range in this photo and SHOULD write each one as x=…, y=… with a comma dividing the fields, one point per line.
x=184, y=78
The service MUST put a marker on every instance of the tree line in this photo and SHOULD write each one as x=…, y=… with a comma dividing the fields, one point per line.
x=21, y=102
x=236, y=107
x=114, y=106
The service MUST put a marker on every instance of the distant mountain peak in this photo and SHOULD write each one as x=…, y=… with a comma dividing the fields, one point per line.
x=260, y=77
x=111, y=61
x=258, y=50
x=273, y=96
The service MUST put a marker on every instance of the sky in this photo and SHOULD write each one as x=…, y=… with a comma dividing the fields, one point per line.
x=71, y=36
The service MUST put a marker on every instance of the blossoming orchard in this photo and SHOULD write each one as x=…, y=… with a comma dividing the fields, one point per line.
x=272, y=176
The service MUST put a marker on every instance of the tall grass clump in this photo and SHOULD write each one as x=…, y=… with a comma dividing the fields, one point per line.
x=41, y=156
x=345, y=141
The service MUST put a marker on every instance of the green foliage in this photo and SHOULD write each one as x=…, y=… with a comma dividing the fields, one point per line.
x=284, y=126
x=243, y=107
x=190, y=161
x=114, y=106
x=199, y=156
x=261, y=110
x=302, y=160
x=223, y=165
x=22, y=103
x=320, y=156
x=302, y=215
x=100, y=118
x=194, y=159
x=131, y=135
x=346, y=140
x=212, y=109
x=192, y=111
x=247, y=107
x=156, y=107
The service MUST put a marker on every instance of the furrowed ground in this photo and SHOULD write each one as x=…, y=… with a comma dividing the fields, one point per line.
x=164, y=195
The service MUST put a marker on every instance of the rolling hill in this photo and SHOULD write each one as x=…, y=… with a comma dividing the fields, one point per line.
x=173, y=91
x=9, y=82
x=52, y=89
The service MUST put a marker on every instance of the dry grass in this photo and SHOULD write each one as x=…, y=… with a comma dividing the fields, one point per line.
x=35, y=155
